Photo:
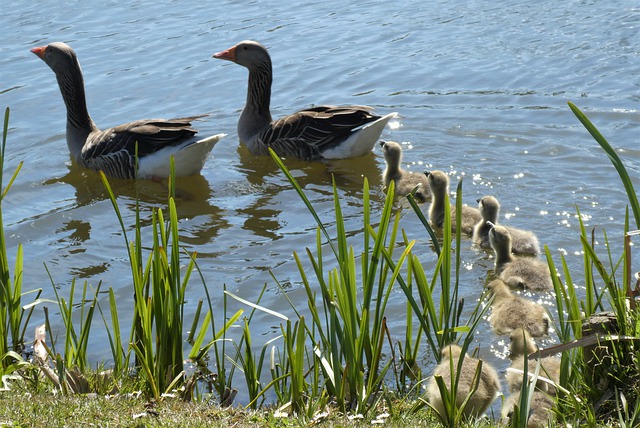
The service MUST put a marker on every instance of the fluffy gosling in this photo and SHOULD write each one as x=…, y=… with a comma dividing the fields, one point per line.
x=521, y=340
x=405, y=181
x=540, y=410
x=509, y=312
x=523, y=242
x=488, y=387
x=518, y=272
x=439, y=186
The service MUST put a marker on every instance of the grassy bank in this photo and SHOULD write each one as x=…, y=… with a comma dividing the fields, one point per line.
x=335, y=362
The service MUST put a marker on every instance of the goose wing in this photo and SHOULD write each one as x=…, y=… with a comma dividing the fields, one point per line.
x=309, y=132
x=113, y=150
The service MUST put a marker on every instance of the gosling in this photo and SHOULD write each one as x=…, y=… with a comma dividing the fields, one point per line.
x=509, y=312
x=540, y=409
x=405, y=181
x=488, y=386
x=518, y=272
x=439, y=186
x=523, y=242
x=522, y=341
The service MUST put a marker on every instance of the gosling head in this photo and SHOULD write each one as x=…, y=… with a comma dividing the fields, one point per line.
x=392, y=152
x=499, y=237
x=521, y=342
x=438, y=182
x=489, y=208
x=451, y=351
x=498, y=287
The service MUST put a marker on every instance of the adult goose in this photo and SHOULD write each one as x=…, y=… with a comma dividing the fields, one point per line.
x=405, y=181
x=523, y=242
x=113, y=150
x=320, y=132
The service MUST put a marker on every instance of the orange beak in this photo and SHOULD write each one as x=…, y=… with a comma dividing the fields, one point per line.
x=39, y=51
x=229, y=54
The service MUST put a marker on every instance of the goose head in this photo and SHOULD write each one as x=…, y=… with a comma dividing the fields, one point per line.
x=58, y=56
x=248, y=53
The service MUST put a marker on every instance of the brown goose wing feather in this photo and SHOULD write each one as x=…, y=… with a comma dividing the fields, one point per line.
x=309, y=132
x=113, y=150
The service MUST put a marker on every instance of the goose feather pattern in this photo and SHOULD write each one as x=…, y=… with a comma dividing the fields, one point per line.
x=320, y=132
x=113, y=150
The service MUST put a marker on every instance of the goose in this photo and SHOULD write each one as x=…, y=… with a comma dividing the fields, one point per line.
x=113, y=150
x=405, y=181
x=521, y=346
x=518, y=272
x=540, y=409
x=320, y=132
x=523, y=242
x=509, y=312
x=487, y=390
x=439, y=185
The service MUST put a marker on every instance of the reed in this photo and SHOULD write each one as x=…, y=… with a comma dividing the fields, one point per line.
x=159, y=288
x=14, y=313
x=615, y=366
x=76, y=341
x=347, y=327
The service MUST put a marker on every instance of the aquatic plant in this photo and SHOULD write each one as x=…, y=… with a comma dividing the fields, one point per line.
x=14, y=313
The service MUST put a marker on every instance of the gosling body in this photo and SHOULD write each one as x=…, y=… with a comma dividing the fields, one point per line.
x=523, y=242
x=518, y=272
x=509, y=312
x=488, y=386
x=439, y=187
x=540, y=410
x=521, y=346
x=404, y=181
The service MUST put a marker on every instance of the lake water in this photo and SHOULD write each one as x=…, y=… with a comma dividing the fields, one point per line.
x=481, y=90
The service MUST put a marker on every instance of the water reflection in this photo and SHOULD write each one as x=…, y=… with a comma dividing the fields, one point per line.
x=193, y=199
x=264, y=213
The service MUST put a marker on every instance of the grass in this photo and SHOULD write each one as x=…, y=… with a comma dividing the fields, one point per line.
x=335, y=361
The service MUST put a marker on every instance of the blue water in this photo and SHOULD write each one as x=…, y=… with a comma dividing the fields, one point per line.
x=481, y=90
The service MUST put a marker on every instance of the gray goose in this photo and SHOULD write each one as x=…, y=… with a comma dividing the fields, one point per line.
x=518, y=272
x=439, y=185
x=320, y=132
x=113, y=150
x=523, y=242
x=487, y=389
x=405, y=181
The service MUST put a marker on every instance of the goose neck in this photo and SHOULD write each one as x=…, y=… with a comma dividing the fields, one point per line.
x=259, y=90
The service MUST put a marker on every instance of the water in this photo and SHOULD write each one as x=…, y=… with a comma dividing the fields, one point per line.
x=481, y=90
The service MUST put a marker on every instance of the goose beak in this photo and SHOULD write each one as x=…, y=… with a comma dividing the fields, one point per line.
x=39, y=51
x=229, y=54
x=491, y=225
x=427, y=173
x=382, y=143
